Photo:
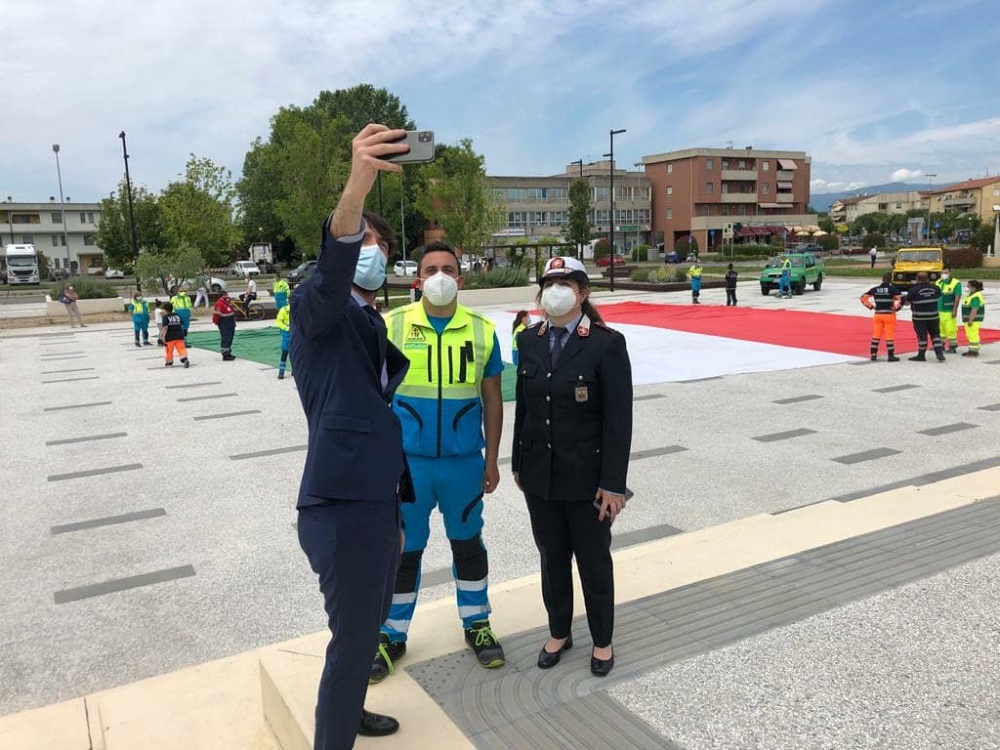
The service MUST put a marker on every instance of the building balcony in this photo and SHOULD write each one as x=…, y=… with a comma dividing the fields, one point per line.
x=783, y=174
x=749, y=175
x=738, y=198
x=968, y=200
x=784, y=198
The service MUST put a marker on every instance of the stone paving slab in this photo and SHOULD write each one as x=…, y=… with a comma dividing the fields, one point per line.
x=517, y=706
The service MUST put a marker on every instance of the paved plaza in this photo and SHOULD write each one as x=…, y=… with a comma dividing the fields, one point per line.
x=149, y=526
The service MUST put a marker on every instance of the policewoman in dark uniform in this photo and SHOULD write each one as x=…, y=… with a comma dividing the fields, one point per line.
x=572, y=436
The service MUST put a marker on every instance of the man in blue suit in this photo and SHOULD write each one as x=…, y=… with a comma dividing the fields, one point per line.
x=354, y=477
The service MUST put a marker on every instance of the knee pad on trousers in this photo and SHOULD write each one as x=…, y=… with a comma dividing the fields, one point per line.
x=409, y=569
x=471, y=561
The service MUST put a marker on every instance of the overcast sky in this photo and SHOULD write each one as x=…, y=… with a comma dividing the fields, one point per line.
x=873, y=90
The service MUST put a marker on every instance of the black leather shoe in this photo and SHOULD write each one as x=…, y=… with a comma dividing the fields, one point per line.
x=601, y=667
x=376, y=725
x=547, y=659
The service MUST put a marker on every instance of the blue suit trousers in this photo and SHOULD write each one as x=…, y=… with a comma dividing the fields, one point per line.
x=353, y=546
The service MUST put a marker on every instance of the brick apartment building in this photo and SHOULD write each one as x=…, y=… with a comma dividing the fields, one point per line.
x=697, y=192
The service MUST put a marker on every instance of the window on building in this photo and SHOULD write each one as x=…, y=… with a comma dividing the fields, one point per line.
x=27, y=218
x=709, y=163
x=709, y=188
x=670, y=213
x=88, y=240
x=90, y=217
x=725, y=164
x=741, y=164
x=766, y=166
x=765, y=188
x=670, y=168
x=670, y=190
x=57, y=217
x=27, y=239
x=55, y=240
x=601, y=193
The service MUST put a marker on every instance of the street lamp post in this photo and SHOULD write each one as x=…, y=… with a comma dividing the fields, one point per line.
x=131, y=210
x=995, y=250
x=62, y=202
x=579, y=245
x=611, y=214
x=930, y=182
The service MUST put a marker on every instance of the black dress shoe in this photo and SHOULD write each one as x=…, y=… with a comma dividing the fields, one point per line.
x=601, y=667
x=548, y=659
x=376, y=725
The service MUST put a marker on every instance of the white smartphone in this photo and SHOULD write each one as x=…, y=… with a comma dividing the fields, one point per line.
x=421, y=143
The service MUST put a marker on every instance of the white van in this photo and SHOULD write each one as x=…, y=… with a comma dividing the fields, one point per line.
x=244, y=267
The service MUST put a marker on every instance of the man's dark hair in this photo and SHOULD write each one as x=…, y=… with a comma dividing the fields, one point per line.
x=435, y=247
x=382, y=228
x=922, y=276
x=887, y=277
x=168, y=307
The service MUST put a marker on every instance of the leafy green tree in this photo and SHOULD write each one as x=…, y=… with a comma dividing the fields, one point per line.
x=198, y=211
x=291, y=181
x=163, y=268
x=579, y=230
x=114, y=233
x=982, y=237
x=826, y=224
x=460, y=198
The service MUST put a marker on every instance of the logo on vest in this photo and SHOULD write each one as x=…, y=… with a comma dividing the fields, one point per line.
x=415, y=338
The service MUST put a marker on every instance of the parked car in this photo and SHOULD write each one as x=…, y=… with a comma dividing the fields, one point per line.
x=301, y=272
x=806, y=269
x=191, y=285
x=245, y=267
x=619, y=260
x=405, y=268
x=672, y=257
x=464, y=265
x=58, y=274
x=113, y=273
x=808, y=247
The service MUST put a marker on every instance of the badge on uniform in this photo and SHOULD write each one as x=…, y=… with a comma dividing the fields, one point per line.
x=582, y=394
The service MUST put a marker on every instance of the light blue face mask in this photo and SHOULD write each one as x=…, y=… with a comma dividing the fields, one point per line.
x=370, y=271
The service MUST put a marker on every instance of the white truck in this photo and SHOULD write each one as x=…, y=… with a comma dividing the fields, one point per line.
x=260, y=253
x=22, y=264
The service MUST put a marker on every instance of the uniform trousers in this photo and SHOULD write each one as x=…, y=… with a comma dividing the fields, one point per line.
x=176, y=345
x=972, y=333
x=562, y=531
x=928, y=329
x=730, y=296
x=353, y=546
x=227, y=329
x=949, y=327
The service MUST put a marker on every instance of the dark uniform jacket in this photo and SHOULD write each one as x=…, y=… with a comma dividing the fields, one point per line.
x=923, y=299
x=339, y=347
x=573, y=423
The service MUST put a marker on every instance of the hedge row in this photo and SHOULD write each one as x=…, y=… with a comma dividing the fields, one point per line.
x=962, y=257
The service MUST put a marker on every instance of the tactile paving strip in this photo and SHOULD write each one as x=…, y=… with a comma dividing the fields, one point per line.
x=521, y=706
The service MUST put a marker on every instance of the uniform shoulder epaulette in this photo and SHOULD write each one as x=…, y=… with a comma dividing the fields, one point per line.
x=533, y=325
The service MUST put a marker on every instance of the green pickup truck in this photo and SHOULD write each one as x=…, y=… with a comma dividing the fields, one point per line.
x=806, y=269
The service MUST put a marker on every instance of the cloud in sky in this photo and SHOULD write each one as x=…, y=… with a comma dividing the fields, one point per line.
x=535, y=83
x=904, y=175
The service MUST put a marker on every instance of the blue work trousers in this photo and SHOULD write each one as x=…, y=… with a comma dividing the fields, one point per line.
x=454, y=485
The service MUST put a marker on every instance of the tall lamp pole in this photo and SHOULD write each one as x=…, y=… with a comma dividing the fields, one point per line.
x=131, y=210
x=579, y=245
x=995, y=250
x=930, y=182
x=612, y=196
x=62, y=201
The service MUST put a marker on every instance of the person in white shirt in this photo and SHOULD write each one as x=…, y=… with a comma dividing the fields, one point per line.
x=251, y=293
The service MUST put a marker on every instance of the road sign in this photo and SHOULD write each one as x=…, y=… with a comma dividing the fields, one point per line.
x=727, y=231
x=627, y=228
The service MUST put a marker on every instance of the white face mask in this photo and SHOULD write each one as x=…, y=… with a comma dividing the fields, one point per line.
x=440, y=289
x=557, y=300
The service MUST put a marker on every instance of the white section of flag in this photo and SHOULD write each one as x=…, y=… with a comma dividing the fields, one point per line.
x=660, y=355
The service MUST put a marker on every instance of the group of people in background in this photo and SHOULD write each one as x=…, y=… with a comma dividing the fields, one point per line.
x=936, y=308
x=172, y=319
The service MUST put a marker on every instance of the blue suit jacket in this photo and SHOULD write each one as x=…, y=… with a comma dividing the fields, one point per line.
x=338, y=349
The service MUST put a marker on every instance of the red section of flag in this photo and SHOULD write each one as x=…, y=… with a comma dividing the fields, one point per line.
x=823, y=332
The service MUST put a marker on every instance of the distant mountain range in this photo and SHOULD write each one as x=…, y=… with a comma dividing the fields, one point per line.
x=823, y=201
